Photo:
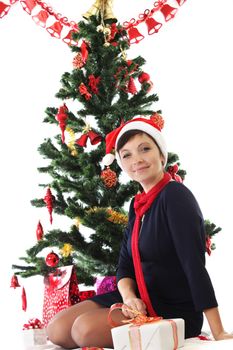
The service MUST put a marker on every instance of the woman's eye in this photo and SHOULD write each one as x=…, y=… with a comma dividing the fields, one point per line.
x=126, y=155
x=145, y=149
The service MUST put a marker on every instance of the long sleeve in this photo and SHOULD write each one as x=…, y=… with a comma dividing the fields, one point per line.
x=186, y=224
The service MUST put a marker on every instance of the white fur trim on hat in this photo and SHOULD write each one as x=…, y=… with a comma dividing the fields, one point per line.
x=148, y=129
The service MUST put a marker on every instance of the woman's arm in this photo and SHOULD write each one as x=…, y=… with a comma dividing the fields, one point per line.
x=127, y=289
x=215, y=323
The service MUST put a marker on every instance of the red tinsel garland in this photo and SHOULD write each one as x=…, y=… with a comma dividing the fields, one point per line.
x=55, y=30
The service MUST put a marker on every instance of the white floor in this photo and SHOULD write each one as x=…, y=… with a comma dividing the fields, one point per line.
x=190, y=344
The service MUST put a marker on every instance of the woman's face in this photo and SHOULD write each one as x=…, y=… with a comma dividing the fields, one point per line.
x=142, y=160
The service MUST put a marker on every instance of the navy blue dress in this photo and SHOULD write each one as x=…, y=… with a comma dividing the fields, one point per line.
x=172, y=250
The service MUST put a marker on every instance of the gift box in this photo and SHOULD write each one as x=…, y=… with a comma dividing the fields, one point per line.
x=32, y=337
x=61, y=291
x=159, y=335
x=34, y=333
x=105, y=284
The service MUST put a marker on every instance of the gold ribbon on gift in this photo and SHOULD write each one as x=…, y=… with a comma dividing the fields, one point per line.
x=103, y=7
x=136, y=322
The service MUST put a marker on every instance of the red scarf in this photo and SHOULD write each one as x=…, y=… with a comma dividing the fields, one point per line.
x=142, y=203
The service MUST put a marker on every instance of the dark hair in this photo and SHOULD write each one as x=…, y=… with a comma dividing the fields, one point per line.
x=128, y=135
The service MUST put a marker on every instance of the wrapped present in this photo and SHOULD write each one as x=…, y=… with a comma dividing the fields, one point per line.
x=149, y=333
x=105, y=284
x=61, y=291
x=34, y=333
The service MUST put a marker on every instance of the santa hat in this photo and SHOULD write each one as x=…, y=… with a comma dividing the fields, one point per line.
x=151, y=126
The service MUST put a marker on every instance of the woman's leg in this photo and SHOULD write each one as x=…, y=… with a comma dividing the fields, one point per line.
x=91, y=328
x=59, y=328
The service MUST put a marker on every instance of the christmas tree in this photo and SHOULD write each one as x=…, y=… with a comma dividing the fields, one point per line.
x=106, y=88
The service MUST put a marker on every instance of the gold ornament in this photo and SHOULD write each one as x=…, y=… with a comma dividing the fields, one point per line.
x=102, y=7
x=77, y=222
x=71, y=143
x=116, y=217
x=66, y=250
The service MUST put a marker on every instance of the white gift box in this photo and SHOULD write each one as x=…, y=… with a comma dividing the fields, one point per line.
x=158, y=335
x=33, y=337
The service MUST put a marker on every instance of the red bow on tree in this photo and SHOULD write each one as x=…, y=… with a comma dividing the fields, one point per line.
x=172, y=170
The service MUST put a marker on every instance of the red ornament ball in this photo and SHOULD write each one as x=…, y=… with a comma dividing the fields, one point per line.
x=143, y=78
x=52, y=259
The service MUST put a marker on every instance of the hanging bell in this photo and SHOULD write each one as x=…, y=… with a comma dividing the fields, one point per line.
x=180, y=2
x=134, y=35
x=94, y=10
x=94, y=138
x=68, y=39
x=55, y=30
x=14, y=282
x=28, y=5
x=108, y=12
x=41, y=18
x=82, y=141
x=168, y=12
x=152, y=25
x=4, y=9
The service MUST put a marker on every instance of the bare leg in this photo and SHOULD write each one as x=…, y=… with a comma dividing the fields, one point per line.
x=92, y=329
x=59, y=328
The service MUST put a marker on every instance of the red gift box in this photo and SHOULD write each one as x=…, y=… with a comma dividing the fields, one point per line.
x=61, y=291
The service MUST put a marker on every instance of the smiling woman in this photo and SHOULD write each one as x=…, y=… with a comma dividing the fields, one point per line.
x=190, y=64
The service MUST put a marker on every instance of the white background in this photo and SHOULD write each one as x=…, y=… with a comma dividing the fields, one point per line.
x=190, y=64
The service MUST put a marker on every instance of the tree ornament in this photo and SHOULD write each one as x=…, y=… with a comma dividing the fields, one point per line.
x=93, y=83
x=78, y=61
x=49, y=199
x=103, y=7
x=131, y=86
x=84, y=51
x=116, y=217
x=66, y=250
x=55, y=29
x=24, y=300
x=71, y=143
x=143, y=78
x=14, y=282
x=172, y=170
x=84, y=91
x=61, y=117
x=52, y=259
x=88, y=133
x=109, y=177
x=39, y=231
x=158, y=119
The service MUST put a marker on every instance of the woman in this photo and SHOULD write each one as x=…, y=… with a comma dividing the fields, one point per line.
x=161, y=269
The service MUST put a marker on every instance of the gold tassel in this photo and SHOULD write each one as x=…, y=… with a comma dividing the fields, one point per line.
x=104, y=7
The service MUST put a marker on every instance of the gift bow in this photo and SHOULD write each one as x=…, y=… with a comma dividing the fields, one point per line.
x=136, y=322
x=33, y=323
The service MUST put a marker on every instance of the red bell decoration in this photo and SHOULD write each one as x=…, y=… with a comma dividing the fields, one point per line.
x=24, y=300
x=4, y=9
x=61, y=117
x=134, y=35
x=41, y=18
x=39, y=231
x=94, y=138
x=52, y=259
x=69, y=40
x=180, y=2
x=152, y=25
x=168, y=12
x=82, y=141
x=55, y=30
x=48, y=199
x=14, y=282
x=28, y=5
x=131, y=86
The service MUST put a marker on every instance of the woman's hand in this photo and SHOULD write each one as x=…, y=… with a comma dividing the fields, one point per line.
x=135, y=304
x=224, y=336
